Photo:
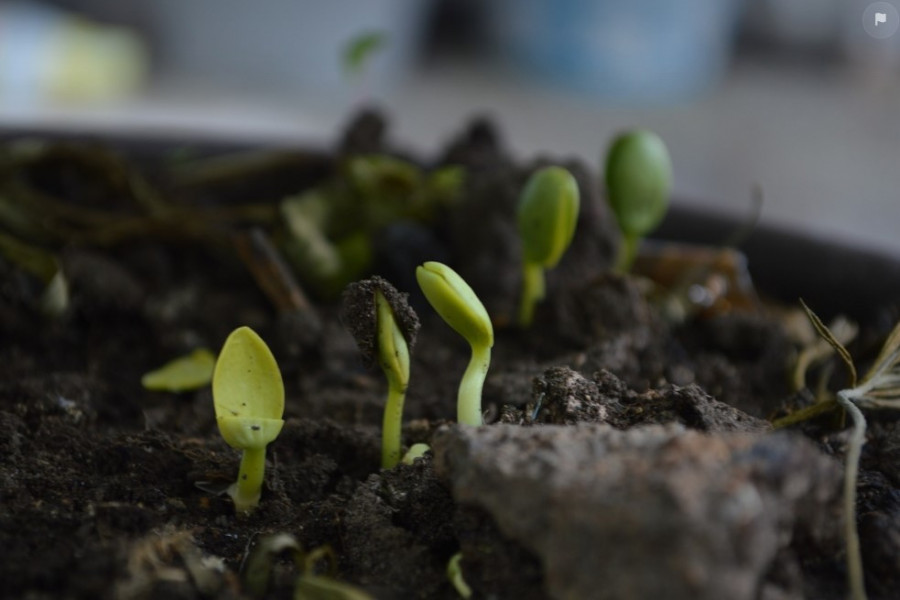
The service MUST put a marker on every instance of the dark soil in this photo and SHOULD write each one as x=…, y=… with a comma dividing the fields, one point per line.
x=98, y=476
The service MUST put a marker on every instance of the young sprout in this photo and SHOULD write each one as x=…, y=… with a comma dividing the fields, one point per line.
x=547, y=215
x=455, y=575
x=249, y=399
x=385, y=328
x=638, y=178
x=458, y=305
x=415, y=451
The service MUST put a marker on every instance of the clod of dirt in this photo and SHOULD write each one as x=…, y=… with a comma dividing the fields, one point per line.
x=398, y=535
x=364, y=134
x=478, y=147
x=604, y=308
x=651, y=512
x=565, y=397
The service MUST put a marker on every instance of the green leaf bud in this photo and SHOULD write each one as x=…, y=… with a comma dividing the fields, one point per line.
x=457, y=304
x=547, y=215
x=638, y=180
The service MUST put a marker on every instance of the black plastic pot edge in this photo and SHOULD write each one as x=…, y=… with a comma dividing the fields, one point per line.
x=786, y=264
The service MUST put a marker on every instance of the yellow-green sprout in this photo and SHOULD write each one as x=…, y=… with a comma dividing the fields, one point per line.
x=415, y=451
x=455, y=575
x=249, y=399
x=385, y=328
x=548, y=213
x=190, y=372
x=458, y=305
x=638, y=179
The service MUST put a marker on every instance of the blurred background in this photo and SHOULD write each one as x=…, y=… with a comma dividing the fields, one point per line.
x=800, y=97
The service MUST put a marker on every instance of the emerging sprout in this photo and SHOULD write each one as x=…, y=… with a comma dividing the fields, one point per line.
x=638, y=178
x=458, y=305
x=415, y=451
x=385, y=328
x=183, y=374
x=249, y=398
x=548, y=213
x=455, y=575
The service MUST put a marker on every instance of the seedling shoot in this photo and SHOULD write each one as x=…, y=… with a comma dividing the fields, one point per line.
x=248, y=394
x=458, y=305
x=638, y=179
x=385, y=328
x=547, y=215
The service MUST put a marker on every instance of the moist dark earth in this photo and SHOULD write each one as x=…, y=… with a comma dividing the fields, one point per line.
x=625, y=454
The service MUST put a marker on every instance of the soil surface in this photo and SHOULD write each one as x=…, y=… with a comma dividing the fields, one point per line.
x=626, y=453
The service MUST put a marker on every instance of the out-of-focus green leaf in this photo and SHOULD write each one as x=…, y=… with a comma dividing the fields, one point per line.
x=445, y=183
x=360, y=49
x=186, y=373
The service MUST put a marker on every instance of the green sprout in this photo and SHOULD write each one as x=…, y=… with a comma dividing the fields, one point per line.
x=458, y=305
x=547, y=215
x=455, y=575
x=186, y=373
x=385, y=328
x=638, y=179
x=249, y=399
x=415, y=451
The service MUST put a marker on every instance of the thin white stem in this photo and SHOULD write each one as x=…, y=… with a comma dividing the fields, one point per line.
x=854, y=449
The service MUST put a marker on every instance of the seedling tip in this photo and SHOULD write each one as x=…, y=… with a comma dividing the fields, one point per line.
x=638, y=179
x=547, y=216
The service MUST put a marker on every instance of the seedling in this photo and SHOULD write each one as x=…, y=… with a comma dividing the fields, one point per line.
x=455, y=575
x=415, y=451
x=249, y=399
x=458, y=305
x=638, y=178
x=385, y=328
x=329, y=231
x=878, y=389
x=190, y=372
x=547, y=215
